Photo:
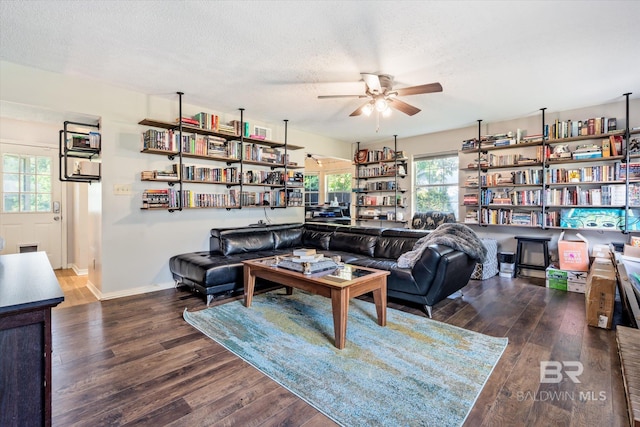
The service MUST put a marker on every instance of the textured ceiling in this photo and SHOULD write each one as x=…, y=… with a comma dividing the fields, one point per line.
x=495, y=60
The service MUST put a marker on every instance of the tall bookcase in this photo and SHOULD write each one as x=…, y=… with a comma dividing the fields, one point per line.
x=252, y=172
x=573, y=175
x=379, y=191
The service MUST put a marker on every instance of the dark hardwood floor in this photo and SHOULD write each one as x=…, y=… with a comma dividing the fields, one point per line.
x=135, y=361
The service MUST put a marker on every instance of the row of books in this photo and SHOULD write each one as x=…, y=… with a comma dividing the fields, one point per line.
x=382, y=170
x=602, y=173
x=380, y=186
x=380, y=201
x=212, y=146
x=210, y=121
x=509, y=217
x=512, y=159
x=159, y=175
x=371, y=155
x=605, y=195
x=259, y=153
x=195, y=173
x=90, y=141
x=263, y=198
x=191, y=199
x=519, y=177
x=505, y=216
x=202, y=145
x=168, y=198
x=520, y=197
x=295, y=198
x=264, y=177
x=157, y=199
x=229, y=175
x=470, y=199
x=160, y=140
x=573, y=128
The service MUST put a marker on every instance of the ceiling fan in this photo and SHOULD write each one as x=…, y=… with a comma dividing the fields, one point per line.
x=381, y=95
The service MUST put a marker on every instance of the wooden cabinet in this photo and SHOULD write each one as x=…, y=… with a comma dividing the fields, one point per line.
x=380, y=189
x=247, y=171
x=28, y=291
x=573, y=175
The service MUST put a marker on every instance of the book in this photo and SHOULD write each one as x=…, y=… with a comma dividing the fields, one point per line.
x=304, y=252
x=308, y=258
x=606, y=148
x=613, y=145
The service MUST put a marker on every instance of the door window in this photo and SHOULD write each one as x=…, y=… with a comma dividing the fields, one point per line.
x=26, y=183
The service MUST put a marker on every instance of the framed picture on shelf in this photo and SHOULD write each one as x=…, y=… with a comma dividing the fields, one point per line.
x=361, y=156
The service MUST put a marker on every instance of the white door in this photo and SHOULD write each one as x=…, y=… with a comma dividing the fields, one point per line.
x=31, y=201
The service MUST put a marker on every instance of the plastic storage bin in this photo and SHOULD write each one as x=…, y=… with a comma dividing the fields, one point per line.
x=507, y=262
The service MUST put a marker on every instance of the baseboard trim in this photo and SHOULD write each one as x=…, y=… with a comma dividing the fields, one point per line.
x=79, y=271
x=128, y=292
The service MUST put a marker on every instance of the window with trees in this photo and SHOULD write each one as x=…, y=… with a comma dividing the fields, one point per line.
x=436, y=183
x=311, y=189
x=339, y=187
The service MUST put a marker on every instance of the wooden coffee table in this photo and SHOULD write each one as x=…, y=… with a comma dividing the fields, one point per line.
x=347, y=282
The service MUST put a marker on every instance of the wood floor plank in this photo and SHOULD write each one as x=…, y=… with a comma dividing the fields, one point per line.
x=135, y=361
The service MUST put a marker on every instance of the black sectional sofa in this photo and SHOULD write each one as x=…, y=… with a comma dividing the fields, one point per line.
x=439, y=272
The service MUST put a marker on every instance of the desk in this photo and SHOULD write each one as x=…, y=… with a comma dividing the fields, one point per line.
x=28, y=290
x=327, y=214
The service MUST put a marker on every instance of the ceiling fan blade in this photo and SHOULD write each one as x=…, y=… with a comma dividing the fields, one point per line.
x=372, y=81
x=415, y=90
x=341, y=96
x=358, y=111
x=403, y=106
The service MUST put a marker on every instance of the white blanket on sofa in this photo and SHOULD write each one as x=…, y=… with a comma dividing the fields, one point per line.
x=457, y=236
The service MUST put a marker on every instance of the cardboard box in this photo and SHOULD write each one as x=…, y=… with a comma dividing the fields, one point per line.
x=553, y=272
x=600, y=293
x=573, y=254
x=631, y=251
x=600, y=251
x=559, y=284
x=576, y=287
x=565, y=280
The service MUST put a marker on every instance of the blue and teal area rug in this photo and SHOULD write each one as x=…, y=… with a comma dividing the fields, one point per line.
x=413, y=372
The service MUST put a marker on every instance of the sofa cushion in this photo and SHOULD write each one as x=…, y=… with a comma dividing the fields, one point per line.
x=394, y=242
x=246, y=241
x=288, y=238
x=348, y=241
x=316, y=239
x=393, y=247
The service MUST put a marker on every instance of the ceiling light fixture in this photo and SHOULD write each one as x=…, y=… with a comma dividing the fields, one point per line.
x=317, y=160
x=381, y=104
x=367, y=109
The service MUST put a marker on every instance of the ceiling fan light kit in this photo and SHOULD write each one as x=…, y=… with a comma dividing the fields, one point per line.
x=382, y=97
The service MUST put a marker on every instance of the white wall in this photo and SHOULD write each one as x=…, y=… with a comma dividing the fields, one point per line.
x=129, y=248
x=77, y=220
